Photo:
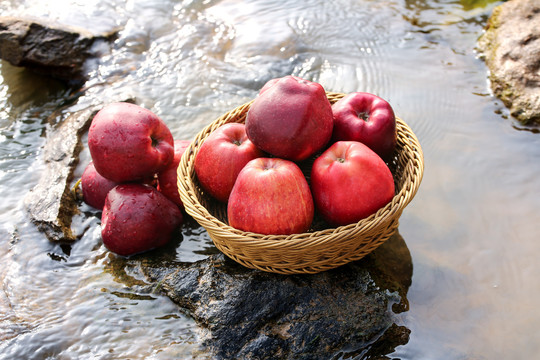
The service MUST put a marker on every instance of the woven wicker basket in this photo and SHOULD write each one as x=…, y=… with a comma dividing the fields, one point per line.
x=315, y=251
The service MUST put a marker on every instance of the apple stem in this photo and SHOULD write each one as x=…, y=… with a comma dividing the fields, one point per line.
x=155, y=141
x=364, y=115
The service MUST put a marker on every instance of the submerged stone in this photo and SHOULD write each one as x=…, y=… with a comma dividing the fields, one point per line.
x=49, y=48
x=510, y=47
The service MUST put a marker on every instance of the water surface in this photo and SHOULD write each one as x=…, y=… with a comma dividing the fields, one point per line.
x=472, y=229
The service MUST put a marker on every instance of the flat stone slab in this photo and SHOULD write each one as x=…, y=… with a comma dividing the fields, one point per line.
x=49, y=48
x=510, y=47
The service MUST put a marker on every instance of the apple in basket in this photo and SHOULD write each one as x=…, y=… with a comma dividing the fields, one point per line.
x=167, y=178
x=367, y=118
x=129, y=143
x=137, y=218
x=290, y=119
x=221, y=157
x=271, y=196
x=350, y=182
x=95, y=187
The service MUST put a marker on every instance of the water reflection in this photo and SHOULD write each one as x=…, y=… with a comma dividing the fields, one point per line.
x=24, y=87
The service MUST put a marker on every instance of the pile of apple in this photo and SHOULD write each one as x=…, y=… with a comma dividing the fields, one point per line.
x=132, y=178
x=254, y=167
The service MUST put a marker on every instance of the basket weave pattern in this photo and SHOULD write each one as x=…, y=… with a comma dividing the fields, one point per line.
x=315, y=251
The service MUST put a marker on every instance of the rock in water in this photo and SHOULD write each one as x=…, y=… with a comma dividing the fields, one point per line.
x=250, y=314
x=50, y=203
x=510, y=46
x=49, y=48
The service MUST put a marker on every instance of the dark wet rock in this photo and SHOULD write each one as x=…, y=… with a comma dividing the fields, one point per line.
x=50, y=203
x=49, y=48
x=510, y=46
x=250, y=314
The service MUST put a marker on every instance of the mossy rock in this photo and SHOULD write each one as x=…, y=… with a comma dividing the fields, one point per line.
x=510, y=46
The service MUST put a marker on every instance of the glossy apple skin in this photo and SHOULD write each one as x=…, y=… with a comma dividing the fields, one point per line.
x=290, y=119
x=167, y=178
x=129, y=143
x=366, y=118
x=221, y=158
x=137, y=218
x=271, y=196
x=95, y=187
x=349, y=182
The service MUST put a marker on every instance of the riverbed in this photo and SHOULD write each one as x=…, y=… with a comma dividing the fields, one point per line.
x=472, y=229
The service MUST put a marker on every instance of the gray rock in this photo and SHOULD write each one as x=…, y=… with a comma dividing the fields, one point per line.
x=249, y=314
x=48, y=48
x=510, y=46
x=50, y=203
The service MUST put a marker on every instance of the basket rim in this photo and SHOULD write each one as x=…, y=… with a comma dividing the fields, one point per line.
x=194, y=208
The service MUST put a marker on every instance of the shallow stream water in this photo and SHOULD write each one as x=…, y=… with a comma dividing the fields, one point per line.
x=472, y=230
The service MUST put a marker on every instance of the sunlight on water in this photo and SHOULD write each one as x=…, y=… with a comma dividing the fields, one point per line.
x=471, y=230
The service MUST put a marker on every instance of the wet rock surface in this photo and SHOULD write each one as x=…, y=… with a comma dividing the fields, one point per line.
x=50, y=48
x=511, y=49
x=50, y=203
x=250, y=314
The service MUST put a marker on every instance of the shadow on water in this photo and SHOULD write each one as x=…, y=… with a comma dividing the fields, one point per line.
x=25, y=88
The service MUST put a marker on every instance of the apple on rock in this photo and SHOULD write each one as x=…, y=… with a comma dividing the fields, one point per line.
x=137, y=218
x=167, y=178
x=366, y=118
x=290, y=119
x=349, y=182
x=129, y=143
x=221, y=158
x=95, y=187
x=271, y=196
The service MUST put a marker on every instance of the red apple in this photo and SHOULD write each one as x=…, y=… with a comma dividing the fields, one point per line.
x=366, y=118
x=349, y=182
x=167, y=178
x=221, y=157
x=95, y=187
x=129, y=143
x=291, y=118
x=271, y=196
x=137, y=218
